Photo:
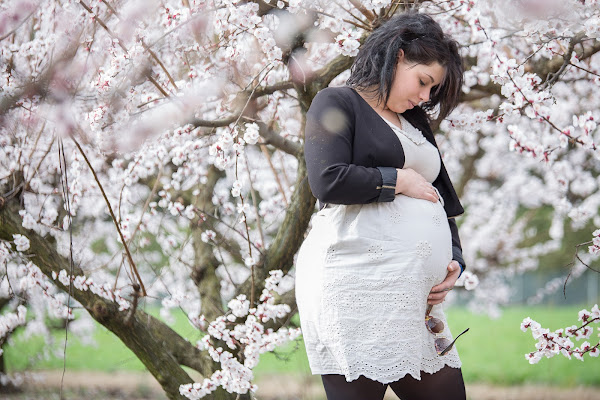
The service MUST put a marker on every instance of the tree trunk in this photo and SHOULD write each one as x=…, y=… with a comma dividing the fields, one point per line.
x=204, y=272
x=153, y=342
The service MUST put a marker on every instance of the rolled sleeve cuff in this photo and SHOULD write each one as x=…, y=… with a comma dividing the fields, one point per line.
x=388, y=187
x=457, y=255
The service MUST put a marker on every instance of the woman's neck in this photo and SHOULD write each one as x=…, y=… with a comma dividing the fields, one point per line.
x=371, y=99
x=370, y=96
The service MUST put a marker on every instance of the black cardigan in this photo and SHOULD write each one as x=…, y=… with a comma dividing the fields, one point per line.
x=352, y=154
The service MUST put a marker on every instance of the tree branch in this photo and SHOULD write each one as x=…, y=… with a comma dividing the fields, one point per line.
x=159, y=348
x=554, y=76
x=278, y=141
x=363, y=10
x=241, y=98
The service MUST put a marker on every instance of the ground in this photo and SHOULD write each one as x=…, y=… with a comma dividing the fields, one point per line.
x=141, y=386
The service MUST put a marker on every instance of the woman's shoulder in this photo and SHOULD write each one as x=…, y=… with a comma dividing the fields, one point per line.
x=341, y=97
x=344, y=91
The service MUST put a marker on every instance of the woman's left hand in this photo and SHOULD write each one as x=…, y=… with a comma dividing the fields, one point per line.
x=438, y=292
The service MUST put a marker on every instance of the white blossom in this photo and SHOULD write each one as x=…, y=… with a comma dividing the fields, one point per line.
x=251, y=134
x=21, y=242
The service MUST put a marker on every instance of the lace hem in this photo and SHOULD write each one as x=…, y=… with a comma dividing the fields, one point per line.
x=397, y=375
x=367, y=327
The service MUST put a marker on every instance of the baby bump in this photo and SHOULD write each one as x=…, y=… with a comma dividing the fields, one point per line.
x=404, y=217
x=407, y=230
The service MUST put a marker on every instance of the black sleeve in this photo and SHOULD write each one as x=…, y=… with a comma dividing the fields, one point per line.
x=328, y=144
x=456, y=247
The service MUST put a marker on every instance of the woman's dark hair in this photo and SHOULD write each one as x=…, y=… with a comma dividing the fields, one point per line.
x=423, y=42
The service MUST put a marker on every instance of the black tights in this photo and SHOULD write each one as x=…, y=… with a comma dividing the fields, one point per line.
x=445, y=384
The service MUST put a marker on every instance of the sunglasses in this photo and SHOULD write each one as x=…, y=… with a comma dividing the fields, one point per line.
x=436, y=326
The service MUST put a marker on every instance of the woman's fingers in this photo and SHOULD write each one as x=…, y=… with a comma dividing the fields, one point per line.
x=439, y=292
x=435, y=298
x=433, y=197
x=451, y=276
x=413, y=184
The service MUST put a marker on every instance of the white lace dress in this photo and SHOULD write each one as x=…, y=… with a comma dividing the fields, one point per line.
x=363, y=275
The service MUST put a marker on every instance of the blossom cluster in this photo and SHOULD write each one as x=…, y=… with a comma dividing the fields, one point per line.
x=84, y=283
x=10, y=321
x=595, y=246
x=21, y=242
x=241, y=330
x=32, y=281
x=348, y=42
x=468, y=279
x=470, y=121
x=560, y=341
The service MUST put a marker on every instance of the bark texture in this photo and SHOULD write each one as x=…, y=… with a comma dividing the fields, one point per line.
x=158, y=347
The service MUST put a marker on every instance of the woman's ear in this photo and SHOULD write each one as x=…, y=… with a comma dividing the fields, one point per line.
x=400, y=55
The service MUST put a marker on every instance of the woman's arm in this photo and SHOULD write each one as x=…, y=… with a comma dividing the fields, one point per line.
x=329, y=137
x=456, y=246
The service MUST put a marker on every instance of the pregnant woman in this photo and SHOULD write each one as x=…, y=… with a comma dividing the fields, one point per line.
x=383, y=250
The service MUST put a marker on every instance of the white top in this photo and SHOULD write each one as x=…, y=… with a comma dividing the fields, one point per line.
x=420, y=155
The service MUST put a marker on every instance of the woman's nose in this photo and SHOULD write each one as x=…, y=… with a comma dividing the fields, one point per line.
x=424, y=95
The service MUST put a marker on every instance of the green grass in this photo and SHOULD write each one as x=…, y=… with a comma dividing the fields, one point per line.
x=492, y=351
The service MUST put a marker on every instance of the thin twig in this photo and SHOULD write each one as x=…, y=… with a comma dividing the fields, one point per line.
x=254, y=203
x=197, y=209
x=392, y=10
x=585, y=70
x=225, y=267
x=65, y=189
x=144, y=209
x=147, y=48
x=553, y=77
x=120, y=42
x=129, y=257
x=26, y=185
x=264, y=150
x=572, y=265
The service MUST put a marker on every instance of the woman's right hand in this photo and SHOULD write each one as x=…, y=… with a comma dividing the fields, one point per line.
x=412, y=184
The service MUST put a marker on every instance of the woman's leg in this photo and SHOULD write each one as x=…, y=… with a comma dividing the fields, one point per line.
x=446, y=384
x=337, y=388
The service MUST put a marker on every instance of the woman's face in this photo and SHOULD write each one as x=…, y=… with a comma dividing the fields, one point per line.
x=412, y=84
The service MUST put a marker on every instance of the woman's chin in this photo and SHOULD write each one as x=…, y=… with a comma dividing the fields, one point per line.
x=397, y=109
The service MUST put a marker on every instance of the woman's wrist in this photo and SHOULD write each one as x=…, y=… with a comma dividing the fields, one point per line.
x=399, y=180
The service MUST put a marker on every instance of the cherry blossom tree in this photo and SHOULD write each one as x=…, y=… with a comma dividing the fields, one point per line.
x=151, y=151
